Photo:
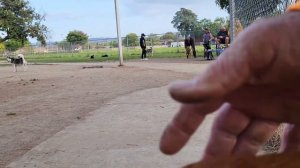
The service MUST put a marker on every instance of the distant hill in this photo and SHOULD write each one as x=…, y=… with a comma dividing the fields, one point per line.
x=101, y=40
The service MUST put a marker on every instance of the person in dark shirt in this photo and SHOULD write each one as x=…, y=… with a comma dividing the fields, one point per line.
x=143, y=46
x=192, y=42
x=222, y=37
x=187, y=45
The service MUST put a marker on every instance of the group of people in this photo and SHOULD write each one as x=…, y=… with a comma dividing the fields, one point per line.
x=189, y=43
x=221, y=38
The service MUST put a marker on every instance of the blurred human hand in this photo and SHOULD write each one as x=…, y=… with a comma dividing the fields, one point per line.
x=253, y=86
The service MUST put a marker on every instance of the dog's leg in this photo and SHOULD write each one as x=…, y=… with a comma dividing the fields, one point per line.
x=25, y=67
x=14, y=67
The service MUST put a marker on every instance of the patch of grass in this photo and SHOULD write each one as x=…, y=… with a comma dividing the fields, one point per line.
x=128, y=54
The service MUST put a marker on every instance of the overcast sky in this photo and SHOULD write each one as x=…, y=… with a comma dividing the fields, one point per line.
x=97, y=17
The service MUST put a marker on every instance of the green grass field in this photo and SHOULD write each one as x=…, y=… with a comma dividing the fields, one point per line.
x=84, y=56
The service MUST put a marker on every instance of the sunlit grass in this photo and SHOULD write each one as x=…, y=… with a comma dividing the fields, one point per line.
x=128, y=54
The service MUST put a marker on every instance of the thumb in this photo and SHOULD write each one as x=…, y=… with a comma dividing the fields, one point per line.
x=249, y=54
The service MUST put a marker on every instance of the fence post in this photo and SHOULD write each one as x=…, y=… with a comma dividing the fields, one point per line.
x=232, y=20
x=127, y=43
x=119, y=32
x=72, y=48
x=177, y=40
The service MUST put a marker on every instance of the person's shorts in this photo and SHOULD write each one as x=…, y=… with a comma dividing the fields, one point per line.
x=207, y=46
x=222, y=40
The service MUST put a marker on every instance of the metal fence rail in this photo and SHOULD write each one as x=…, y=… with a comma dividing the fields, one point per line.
x=109, y=44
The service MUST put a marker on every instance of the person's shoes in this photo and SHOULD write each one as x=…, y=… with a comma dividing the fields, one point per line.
x=146, y=59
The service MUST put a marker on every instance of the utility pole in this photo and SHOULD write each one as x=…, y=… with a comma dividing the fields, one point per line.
x=119, y=32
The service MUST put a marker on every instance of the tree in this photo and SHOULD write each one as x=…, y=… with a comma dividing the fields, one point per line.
x=185, y=21
x=2, y=48
x=64, y=45
x=113, y=44
x=217, y=24
x=205, y=23
x=12, y=45
x=213, y=26
x=220, y=21
x=169, y=36
x=153, y=39
x=19, y=21
x=224, y=4
x=131, y=39
x=77, y=37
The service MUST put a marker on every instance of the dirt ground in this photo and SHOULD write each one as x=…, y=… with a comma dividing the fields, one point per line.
x=36, y=104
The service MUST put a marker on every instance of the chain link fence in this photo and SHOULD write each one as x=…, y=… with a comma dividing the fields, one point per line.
x=171, y=42
x=245, y=12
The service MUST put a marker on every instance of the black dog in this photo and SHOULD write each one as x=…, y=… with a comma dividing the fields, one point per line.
x=92, y=57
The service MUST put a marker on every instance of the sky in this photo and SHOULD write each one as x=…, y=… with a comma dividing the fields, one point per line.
x=97, y=17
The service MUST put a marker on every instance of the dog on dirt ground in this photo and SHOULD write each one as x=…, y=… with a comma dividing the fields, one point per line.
x=149, y=51
x=19, y=60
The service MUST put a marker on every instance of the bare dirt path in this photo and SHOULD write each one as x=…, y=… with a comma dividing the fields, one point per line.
x=36, y=104
x=124, y=133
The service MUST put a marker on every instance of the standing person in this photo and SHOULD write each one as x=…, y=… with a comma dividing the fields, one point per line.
x=143, y=46
x=207, y=37
x=187, y=46
x=192, y=42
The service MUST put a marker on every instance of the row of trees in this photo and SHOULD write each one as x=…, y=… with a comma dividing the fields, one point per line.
x=132, y=39
x=19, y=21
x=187, y=23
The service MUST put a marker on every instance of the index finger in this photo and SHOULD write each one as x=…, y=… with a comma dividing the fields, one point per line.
x=184, y=124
